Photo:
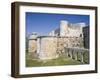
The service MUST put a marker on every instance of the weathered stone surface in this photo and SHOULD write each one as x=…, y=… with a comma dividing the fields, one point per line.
x=32, y=46
x=47, y=48
x=53, y=46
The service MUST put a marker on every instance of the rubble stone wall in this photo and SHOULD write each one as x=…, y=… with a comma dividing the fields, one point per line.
x=32, y=46
x=49, y=47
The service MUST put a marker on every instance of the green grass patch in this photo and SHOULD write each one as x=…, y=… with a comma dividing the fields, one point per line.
x=30, y=62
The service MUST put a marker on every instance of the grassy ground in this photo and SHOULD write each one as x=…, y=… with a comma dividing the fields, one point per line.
x=30, y=62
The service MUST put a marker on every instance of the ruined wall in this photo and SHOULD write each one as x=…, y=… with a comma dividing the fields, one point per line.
x=71, y=30
x=68, y=42
x=68, y=29
x=47, y=47
x=32, y=46
x=66, y=36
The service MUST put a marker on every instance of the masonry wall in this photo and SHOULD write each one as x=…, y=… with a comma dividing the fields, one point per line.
x=32, y=45
x=47, y=47
x=68, y=42
x=50, y=47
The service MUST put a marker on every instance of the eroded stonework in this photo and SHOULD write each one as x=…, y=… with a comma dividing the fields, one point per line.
x=52, y=46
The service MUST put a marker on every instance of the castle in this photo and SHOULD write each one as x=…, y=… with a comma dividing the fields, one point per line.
x=67, y=35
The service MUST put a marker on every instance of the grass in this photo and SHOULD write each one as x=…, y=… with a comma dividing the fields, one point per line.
x=30, y=62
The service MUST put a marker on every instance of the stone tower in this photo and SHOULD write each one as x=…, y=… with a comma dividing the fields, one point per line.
x=63, y=27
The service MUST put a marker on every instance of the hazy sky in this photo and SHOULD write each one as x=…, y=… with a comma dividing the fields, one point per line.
x=43, y=23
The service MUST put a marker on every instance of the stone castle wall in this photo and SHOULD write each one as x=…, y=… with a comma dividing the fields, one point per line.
x=49, y=47
x=68, y=29
x=52, y=46
x=32, y=45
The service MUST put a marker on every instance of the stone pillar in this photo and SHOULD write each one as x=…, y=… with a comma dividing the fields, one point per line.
x=79, y=56
x=73, y=54
x=67, y=52
x=76, y=57
x=70, y=52
x=82, y=58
